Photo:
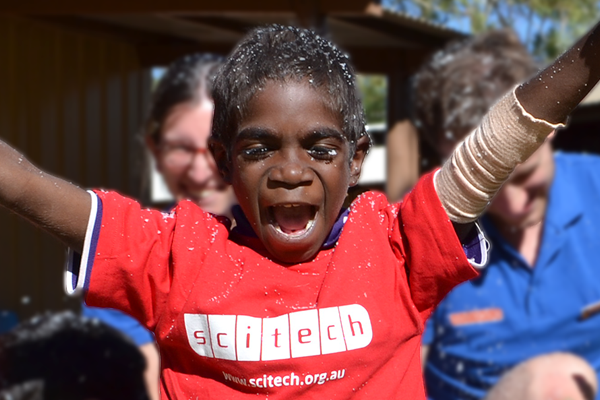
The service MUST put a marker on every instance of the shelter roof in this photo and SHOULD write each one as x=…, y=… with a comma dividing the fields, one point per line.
x=164, y=29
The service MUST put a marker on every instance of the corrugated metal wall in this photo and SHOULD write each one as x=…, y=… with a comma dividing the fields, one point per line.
x=73, y=103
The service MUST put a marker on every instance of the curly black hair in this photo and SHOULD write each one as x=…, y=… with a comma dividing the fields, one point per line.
x=456, y=87
x=72, y=358
x=280, y=53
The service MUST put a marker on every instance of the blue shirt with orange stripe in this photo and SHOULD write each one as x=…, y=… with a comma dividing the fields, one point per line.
x=512, y=312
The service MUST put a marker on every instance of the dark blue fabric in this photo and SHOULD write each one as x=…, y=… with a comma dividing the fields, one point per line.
x=540, y=307
x=473, y=247
x=120, y=321
x=8, y=320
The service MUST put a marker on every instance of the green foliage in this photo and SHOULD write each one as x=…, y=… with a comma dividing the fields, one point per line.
x=374, y=96
x=547, y=27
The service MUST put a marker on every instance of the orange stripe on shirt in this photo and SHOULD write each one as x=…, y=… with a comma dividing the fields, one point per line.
x=476, y=316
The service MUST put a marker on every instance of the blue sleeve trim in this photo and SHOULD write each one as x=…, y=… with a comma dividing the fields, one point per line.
x=77, y=279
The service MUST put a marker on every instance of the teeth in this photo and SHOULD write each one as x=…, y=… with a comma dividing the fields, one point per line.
x=205, y=193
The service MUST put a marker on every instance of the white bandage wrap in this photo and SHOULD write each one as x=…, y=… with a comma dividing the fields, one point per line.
x=480, y=164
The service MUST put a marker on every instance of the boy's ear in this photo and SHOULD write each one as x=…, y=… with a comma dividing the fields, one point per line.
x=362, y=147
x=219, y=152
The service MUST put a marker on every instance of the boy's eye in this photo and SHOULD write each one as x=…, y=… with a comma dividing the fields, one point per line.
x=176, y=147
x=323, y=153
x=256, y=152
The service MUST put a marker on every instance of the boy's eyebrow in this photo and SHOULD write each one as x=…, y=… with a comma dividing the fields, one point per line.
x=257, y=133
x=325, y=133
x=253, y=133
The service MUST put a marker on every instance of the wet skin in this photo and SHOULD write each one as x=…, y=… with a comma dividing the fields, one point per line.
x=291, y=167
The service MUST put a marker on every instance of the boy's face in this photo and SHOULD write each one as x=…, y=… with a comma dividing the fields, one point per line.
x=291, y=168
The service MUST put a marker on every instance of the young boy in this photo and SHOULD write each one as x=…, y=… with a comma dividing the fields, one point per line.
x=301, y=298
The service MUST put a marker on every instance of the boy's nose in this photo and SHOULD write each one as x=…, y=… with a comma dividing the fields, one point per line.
x=292, y=173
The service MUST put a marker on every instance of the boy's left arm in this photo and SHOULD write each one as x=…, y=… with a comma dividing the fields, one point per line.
x=514, y=128
x=552, y=94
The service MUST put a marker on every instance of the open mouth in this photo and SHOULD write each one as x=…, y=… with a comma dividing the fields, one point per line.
x=293, y=219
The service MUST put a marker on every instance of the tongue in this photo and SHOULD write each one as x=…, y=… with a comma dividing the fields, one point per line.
x=292, y=219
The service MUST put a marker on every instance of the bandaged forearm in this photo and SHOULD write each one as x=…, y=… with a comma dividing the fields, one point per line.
x=479, y=166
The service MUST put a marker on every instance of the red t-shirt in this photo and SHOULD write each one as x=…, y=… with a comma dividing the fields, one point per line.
x=233, y=324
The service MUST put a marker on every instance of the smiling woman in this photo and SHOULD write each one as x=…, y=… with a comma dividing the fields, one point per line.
x=177, y=132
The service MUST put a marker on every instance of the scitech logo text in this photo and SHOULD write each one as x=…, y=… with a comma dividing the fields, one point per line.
x=298, y=334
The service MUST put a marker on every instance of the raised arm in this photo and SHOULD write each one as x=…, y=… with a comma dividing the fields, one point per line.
x=552, y=94
x=54, y=205
x=514, y=128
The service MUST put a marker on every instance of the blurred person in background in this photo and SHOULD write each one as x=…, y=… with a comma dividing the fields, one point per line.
x=176, y=133
x=64, y=356
x=538, y=300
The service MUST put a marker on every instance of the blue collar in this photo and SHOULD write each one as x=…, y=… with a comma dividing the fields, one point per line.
x=244, y=228
x=565, y=206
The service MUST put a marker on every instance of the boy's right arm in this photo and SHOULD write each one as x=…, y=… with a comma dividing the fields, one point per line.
x=56, y=206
